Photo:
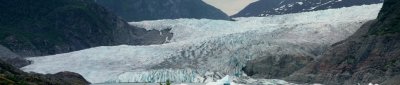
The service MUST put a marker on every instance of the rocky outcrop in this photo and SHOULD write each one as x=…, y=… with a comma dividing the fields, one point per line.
x=138, y=10
x=388, y=19
x=371, y=55
x=12, y=58
x=10, y=75
x=392, y=81
x=274, y=67
x=278, y=7
x=44, y=27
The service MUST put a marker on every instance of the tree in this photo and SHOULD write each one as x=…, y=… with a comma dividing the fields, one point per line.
x=168, y=82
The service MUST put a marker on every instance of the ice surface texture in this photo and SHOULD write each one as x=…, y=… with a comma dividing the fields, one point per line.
x=206, y=50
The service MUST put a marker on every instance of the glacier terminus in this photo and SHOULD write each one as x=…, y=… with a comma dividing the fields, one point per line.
x=204, y=50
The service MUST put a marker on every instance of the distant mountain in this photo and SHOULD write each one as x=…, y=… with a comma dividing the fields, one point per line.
x=371, y=55
x=277, y=7
x=138, y=10
x=43, y=27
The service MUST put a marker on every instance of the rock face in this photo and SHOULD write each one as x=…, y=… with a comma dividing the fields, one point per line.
x=10, y=75
x=274, y=67
x=371, y=55
x=388, y=19
x=43, y=27
x=277, y=7
x=12, y=58
x=138, y=10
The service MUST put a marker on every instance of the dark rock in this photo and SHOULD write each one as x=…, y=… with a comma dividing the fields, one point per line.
x=275, y=67
x=10, y=75
x=67, y=78
x=138, y=10
x=392, y=81
x=388, y=19
x=278, y=7
x=45, y=27
x=371, y=55
x=12, y=58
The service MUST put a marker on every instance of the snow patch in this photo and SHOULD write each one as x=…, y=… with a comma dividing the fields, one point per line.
x=300, y=3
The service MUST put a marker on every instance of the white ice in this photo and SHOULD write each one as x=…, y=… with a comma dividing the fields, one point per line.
x=206, y=50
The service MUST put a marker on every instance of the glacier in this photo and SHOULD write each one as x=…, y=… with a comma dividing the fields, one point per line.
x=203, y=50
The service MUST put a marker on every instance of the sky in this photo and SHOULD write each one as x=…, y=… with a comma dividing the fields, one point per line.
x=230, y=7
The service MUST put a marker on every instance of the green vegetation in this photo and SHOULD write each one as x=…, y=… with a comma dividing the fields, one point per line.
x=168, y=82
x=9, y=79
x=5, y=81
x=351, y=59
x=47, y=25
x=393, y=64
x=388, y=19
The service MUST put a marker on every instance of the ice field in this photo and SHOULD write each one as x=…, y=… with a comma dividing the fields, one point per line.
x=203, y=50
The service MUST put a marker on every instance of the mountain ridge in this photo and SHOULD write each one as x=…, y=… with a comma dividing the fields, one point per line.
x=139, y=10
x=275, y=7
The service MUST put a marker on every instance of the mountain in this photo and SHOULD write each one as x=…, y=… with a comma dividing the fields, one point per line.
x=278, y=7
x=205, y=50
x=9, y=75
x=138, y=10
x=43, y=27
x=371, y=55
